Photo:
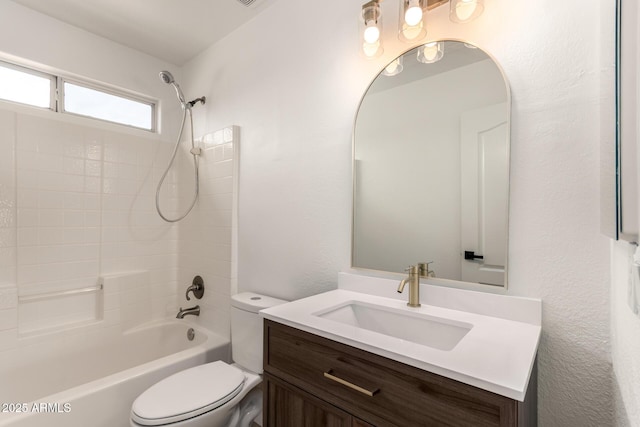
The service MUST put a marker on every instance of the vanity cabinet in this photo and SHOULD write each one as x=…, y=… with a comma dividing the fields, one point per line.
x=313, y=381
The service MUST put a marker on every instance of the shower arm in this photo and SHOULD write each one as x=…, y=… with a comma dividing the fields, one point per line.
x=202, y=100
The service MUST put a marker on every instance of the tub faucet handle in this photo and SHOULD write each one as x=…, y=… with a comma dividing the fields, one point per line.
x=197, y=287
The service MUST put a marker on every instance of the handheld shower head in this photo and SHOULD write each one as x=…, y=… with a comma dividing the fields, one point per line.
x=167, y=77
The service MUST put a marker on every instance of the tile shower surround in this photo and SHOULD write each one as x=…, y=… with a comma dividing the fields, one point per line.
x=206, y=235
x=76, y=204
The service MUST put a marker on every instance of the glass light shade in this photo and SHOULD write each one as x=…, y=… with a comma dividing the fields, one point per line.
x=372, y=50
x=462, y=11
x=394, y=68
x=371, y=30
x=411, y=20
x=430, y=52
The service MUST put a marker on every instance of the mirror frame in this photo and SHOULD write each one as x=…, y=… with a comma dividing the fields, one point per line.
x=434, y=280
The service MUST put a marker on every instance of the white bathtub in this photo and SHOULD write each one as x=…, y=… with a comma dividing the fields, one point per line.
x=96, y=385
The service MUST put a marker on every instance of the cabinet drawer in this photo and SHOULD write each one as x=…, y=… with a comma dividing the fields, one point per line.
x=378, y=390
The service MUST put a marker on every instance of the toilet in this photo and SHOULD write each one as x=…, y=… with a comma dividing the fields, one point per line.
x=215, y=394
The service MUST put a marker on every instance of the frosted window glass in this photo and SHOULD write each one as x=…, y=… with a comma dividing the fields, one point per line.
x=25, y=88
x=100, y=105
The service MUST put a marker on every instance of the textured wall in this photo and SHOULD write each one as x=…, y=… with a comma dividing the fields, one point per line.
x=293, y=84
x=625, y=346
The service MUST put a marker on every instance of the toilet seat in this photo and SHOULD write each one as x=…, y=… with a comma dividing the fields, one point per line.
x=188, y=394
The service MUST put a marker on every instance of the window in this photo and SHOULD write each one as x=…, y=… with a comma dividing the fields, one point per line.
x=31, y=87
x=25, y=86
x=85, y=101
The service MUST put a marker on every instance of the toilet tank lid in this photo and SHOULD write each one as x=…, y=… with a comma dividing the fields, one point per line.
x=253, y=302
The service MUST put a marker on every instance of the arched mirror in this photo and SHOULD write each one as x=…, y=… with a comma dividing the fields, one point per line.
x=431, y=166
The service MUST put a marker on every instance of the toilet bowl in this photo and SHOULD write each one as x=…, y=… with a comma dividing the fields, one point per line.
x=215, y=394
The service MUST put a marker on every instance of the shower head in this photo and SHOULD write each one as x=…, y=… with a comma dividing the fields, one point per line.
x=167, y=77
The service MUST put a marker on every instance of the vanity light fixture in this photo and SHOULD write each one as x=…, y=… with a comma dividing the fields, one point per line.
x=372, y=30
x=430, y=52
x=394, y=68
x=411, y=20
x=462, y=11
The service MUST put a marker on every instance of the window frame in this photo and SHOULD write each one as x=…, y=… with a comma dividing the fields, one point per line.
x=57, y=96
x=109, y=91
x=26, y=70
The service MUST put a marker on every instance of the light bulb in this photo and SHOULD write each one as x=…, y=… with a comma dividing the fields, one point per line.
x=465, y=9
x=371, y=33
x=413, y=14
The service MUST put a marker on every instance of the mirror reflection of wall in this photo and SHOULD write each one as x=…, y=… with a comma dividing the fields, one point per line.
x=431, y=168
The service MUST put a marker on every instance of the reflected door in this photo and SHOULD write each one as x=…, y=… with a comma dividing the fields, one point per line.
x=485, y=194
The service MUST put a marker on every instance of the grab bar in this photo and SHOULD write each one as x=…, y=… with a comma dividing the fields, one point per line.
x=57, y=294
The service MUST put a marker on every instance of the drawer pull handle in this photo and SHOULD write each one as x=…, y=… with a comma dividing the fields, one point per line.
x=329, y=374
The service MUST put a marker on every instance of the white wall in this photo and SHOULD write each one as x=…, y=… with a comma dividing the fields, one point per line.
x=293, y=85
x=625, y=330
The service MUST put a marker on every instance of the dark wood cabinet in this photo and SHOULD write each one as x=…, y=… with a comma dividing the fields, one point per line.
x=289, y=406
x=319, y=382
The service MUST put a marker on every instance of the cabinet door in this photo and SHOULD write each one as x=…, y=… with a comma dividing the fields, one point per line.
x=289, y=406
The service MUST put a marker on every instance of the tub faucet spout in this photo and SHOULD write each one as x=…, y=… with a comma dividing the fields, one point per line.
x=193, y=311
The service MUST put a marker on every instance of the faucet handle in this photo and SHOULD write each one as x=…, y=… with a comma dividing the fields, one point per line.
x=424, y=270
x=197, y=287
x=413, y=269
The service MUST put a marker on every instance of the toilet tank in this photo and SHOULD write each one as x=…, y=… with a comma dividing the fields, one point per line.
x=246, y=328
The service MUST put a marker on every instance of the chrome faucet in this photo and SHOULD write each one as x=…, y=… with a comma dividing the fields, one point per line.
x=415, y=272
x=193, y=311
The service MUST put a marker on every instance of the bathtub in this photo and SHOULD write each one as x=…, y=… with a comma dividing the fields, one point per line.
x=94, y=386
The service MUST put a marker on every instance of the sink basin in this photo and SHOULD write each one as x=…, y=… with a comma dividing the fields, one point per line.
x=419, y=328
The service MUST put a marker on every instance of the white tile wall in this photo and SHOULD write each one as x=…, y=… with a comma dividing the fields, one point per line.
x=126, y=299
x=206, y=236
x=8, y=233
x=51, y=172
x=7, y=198
x=77, y=203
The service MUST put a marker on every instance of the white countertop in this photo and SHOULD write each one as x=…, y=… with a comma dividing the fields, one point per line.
x=497, y=354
